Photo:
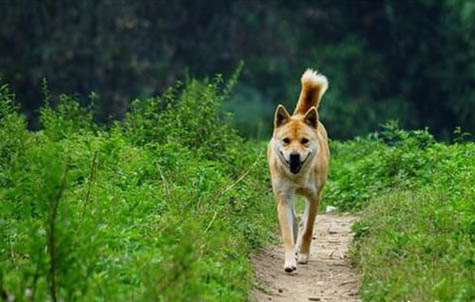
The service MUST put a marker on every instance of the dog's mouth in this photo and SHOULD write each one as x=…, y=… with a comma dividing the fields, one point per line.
x=295, y=165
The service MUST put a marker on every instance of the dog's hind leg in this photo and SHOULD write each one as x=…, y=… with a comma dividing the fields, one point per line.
x=305, y=238
x=288, y=226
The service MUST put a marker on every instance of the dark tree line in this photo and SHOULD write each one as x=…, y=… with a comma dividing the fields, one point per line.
x=413, y=61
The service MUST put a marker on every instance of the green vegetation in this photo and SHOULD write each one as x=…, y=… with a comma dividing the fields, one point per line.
x=164, y=206
x=415, y=240
x=406, y=60
x=161, y=198
x=168, y=203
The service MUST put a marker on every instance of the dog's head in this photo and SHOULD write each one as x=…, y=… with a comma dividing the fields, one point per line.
x=295, y=138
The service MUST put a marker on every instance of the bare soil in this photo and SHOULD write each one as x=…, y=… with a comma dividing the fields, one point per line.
x=328, y=276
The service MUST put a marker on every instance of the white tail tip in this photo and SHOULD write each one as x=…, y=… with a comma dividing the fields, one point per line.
x=312, y=79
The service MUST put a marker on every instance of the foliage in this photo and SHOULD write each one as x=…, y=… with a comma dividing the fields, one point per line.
x=12, y=130
x=194, y=120
x=361, y=168
x=415, y=240
x=68, y=118
x=419, y=245
x=147, y=209
x=168, y=203
x=405, y=60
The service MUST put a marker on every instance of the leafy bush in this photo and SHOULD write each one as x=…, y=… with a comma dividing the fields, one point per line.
x=363, y=167
x=68, y=118
x=415, y=240
x=191, y=117
x=151, y=208
x=13, y=133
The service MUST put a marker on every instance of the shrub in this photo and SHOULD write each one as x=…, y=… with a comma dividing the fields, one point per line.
x=415, y=240
x=68, y=118
x=150, y=208
x=192, y=117
x=361, y=168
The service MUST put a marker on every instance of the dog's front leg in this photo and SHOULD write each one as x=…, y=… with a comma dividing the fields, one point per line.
x=306, y=233
x=287, y=225
x=302, y=226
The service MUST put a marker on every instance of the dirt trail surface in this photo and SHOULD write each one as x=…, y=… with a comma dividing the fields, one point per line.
x=328, y=276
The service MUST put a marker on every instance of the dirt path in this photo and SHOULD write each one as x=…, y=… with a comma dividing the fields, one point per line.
x=328, y=276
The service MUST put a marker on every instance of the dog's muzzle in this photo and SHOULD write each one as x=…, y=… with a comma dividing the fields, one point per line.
x=294, y=162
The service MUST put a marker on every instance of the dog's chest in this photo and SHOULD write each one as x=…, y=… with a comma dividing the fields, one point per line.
x=299, y=185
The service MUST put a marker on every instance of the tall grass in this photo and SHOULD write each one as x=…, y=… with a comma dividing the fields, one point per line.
x=415, y=240
x=151, y=208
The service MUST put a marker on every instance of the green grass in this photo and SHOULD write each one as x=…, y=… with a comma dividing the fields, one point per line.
x=419, y=247
x=147, y=209
x=415, y=239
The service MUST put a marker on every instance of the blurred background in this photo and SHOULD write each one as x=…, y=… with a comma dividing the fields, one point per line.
x=410, y=60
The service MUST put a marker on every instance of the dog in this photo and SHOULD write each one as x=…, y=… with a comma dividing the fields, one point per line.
x=298, y=157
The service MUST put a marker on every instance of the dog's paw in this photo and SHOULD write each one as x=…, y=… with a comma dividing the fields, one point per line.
x=303, y=258
x=290, y=265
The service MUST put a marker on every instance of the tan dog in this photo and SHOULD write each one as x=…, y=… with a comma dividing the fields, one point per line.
x=298, y=157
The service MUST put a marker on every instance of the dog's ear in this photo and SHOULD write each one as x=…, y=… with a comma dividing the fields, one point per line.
x=311, y=117
x=281, y=116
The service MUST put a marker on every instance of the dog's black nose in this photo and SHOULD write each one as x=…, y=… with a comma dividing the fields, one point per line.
x=294, y=157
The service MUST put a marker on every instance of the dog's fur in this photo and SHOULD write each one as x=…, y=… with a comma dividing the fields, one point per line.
x=298, y=157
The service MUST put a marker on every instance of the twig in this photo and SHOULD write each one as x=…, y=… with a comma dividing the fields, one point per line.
x=165, y=182
x=239, y=179
x=35, y=278
x=348, y=282
x=211, y=222
x=234, y=183
x=90, y=181
x=117, y=172
x=229, y=188
x=341, y=254
x=51, y=243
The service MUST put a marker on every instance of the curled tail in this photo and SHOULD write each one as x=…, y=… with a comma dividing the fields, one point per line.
x=314, y=86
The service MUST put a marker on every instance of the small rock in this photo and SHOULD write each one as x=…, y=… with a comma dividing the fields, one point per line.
x=28, y=292
x=314, y=299
x=330, y=209
x=280, y=290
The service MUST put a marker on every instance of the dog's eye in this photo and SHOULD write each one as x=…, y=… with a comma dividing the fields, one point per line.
x=286, y=140
x=304, y=141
